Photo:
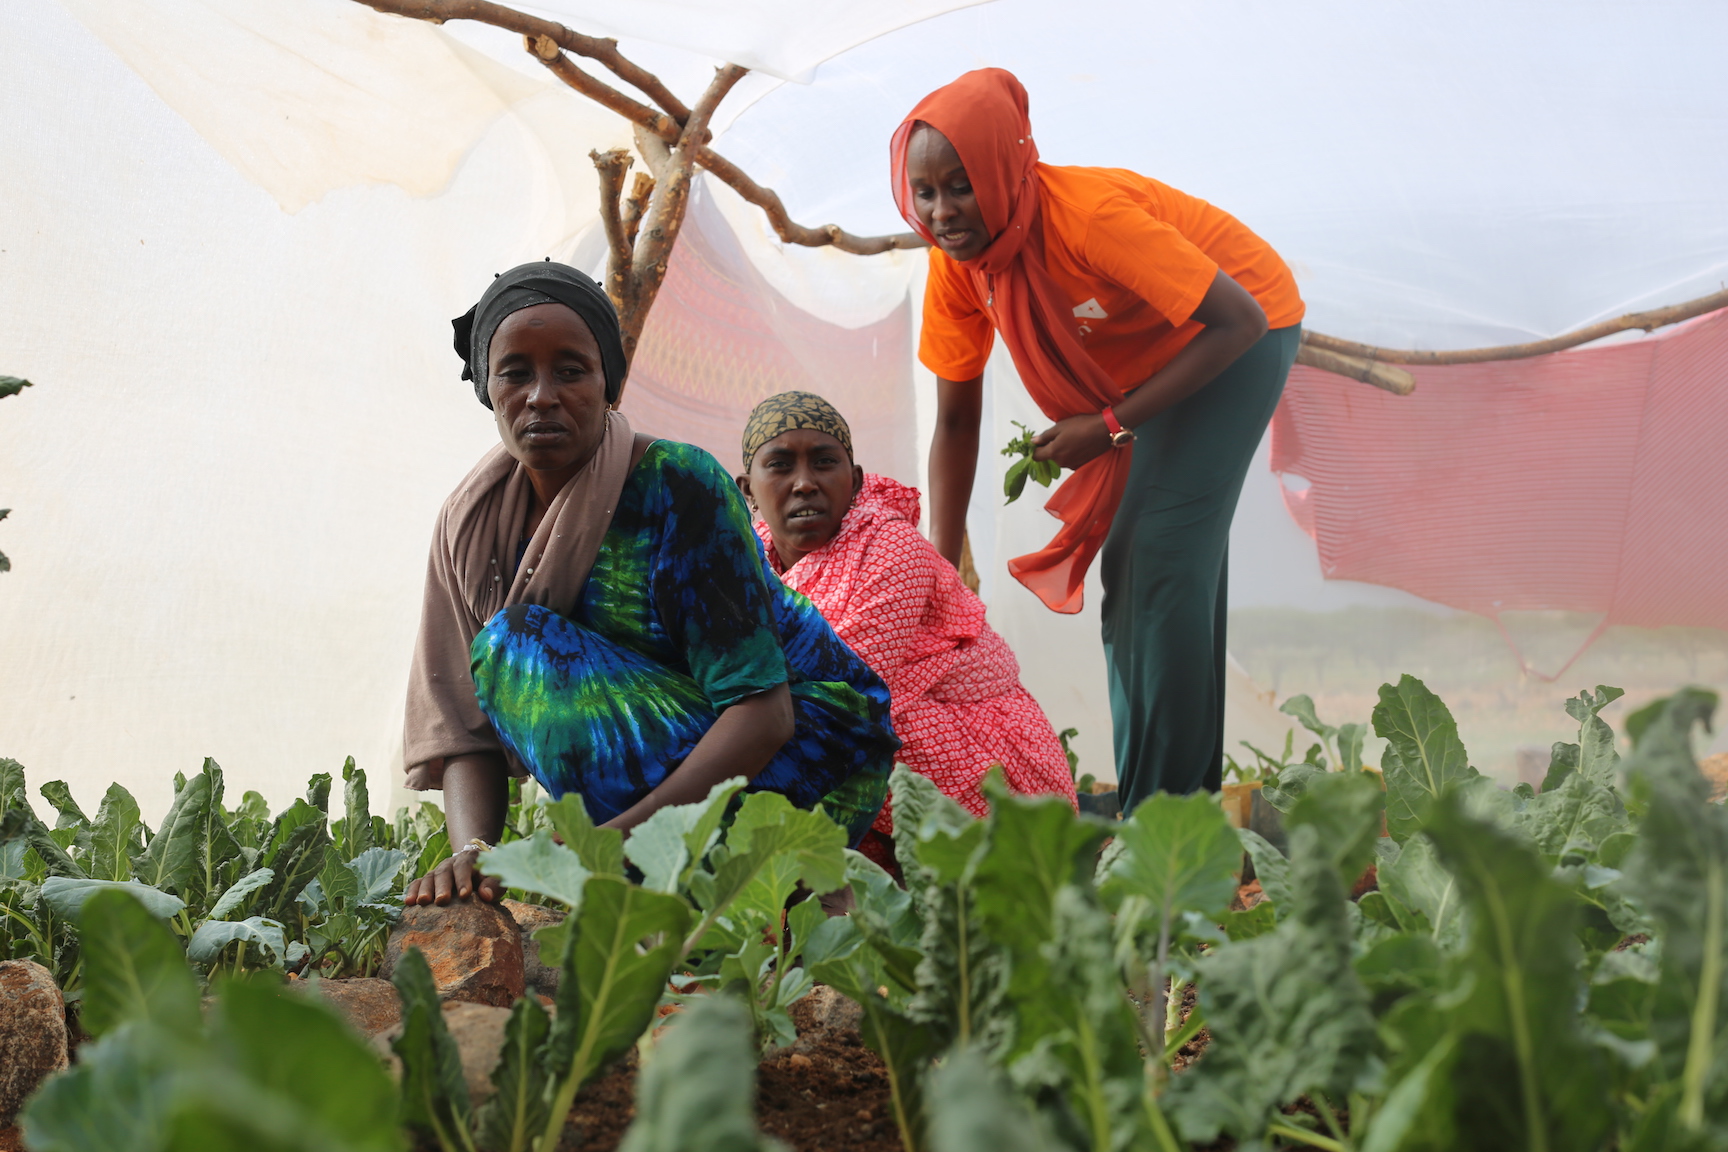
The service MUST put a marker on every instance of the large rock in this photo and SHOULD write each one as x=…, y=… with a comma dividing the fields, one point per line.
x=478, y=1030
x=369, y=1004
x=541, y=977
x=473, y=948
x=32, y=1033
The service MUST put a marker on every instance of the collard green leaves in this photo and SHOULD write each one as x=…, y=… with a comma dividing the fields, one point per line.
x=1424, y=757
x=973, y=1109
x=1179, y=854
x=538, y=865
x=698, y=1094
x=1594, y=755
x=1345, y=808
x=669, y=845
x=1513, y=1068
x=625, y=943
x=434, y=1094
x=1679, y=872
x=171, y=859
x=116, y=837
x=66, y=896
x=267, y=1071
x=601, y=850
x=517, y=1110
x=134, y=968
x=1286, y=1011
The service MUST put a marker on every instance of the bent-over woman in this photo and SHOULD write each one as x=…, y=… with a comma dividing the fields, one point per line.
x=850, y=542
x=600, y=614
x=1156, y=332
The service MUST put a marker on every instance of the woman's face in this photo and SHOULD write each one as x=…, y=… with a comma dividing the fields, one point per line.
x=803, y=483
x=548, y=388
x=942, y=195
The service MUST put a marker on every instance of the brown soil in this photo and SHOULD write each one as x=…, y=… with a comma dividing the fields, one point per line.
x=827, y=1093
x=1193, y=1050
x=833, y=1094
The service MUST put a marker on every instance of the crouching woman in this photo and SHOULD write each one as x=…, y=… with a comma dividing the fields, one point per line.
x=850, y=542
x=599, y=614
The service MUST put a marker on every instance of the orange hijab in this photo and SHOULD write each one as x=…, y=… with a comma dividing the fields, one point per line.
x=984, y=116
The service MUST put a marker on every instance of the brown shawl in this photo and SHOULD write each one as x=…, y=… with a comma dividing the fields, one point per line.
x=472, y=574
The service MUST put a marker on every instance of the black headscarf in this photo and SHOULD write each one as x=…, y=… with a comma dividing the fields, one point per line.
x=523, y=287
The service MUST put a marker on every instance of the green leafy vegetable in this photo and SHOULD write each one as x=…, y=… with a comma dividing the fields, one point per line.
x=540, y=866
x=1287, y=1013
x=973, y=1109
x=1513, y=1068
x=1045, y=472
x=1345, y=808
x=434, y=1094
x=117, y=836
x=268, y=1072
x=601, y=850
x=517, y=1110
x=1423, y=758
x=698, y=1094
x=625, y=943
x=1679, y=870
x=67, y=896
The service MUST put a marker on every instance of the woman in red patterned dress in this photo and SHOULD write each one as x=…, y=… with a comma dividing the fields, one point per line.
x=850, y=542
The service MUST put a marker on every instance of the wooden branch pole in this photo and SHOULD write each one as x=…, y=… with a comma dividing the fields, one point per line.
x=1655, y=318
x=1384, y=376
x=602, y=50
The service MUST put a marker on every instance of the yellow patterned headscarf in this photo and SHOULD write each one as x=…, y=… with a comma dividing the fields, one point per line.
x=787, y=412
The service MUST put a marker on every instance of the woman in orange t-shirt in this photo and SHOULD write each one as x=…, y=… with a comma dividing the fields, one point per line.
x=1156, y=331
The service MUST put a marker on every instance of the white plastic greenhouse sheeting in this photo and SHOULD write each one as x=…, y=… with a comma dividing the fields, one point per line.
x=232, y=233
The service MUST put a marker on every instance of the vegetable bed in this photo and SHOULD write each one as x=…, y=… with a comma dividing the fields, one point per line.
x=1434, y=963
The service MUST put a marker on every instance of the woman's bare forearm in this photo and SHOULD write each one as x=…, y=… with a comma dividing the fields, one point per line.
x=741, y=742
x=954, y=462
x=1233, y=322
x=476, y=798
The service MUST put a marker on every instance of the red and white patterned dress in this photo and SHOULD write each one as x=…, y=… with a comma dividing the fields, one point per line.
x=956, y=699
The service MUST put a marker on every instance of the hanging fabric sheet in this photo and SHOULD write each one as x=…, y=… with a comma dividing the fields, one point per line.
x=1588, y=480
x=721, y=339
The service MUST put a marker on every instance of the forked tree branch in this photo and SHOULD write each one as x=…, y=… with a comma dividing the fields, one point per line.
x=547, y=40
x=672, y=183
x=603, y=50
x=613, y=166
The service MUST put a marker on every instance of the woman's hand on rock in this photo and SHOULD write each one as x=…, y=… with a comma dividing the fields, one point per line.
x=1072, y=442
x=454, y=876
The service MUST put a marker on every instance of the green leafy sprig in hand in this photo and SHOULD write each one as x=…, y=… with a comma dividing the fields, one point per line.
x=1025, y=468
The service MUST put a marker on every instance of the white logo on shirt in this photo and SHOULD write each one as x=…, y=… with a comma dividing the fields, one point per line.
x=1091, y=310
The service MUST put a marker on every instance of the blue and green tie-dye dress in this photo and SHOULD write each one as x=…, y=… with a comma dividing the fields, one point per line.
x=681, y=617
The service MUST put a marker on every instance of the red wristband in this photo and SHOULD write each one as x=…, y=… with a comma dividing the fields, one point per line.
x=1110, y=421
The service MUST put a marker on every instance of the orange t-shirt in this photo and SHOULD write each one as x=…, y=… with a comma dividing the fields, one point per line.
x=1135, y=256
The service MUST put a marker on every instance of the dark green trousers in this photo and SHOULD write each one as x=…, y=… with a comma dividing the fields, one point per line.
x=1165, y=572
